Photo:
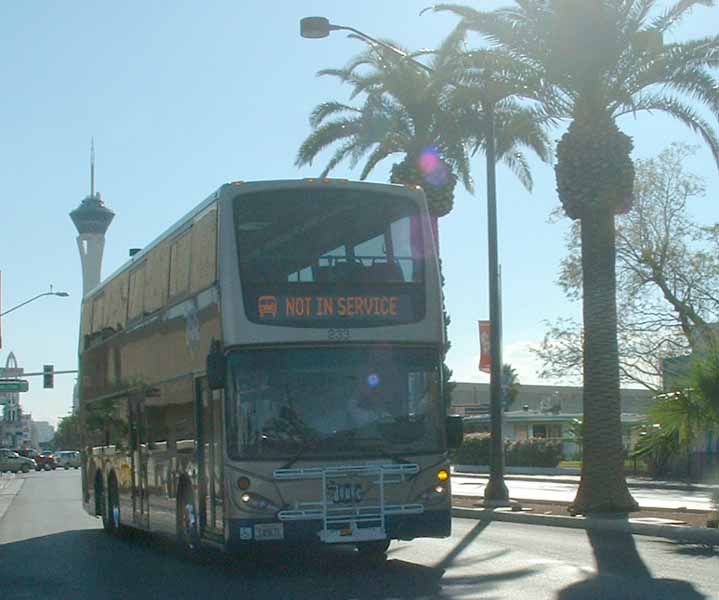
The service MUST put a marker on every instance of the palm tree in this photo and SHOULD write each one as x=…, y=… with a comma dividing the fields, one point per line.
x=510, y=386
x=404, y=112
x=604, y=59
x=419, y=115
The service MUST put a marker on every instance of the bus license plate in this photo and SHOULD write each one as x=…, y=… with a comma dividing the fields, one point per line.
x=270, y=531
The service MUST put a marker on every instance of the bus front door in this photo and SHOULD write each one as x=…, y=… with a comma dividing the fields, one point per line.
x=208, y=420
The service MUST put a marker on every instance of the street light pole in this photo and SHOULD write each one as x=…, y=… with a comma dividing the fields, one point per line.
x=496, y=491
x=51, y=293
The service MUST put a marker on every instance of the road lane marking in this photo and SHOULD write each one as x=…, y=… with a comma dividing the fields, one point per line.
x=8, y=492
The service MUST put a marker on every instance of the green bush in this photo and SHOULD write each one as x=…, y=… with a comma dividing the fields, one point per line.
x=474, y=450
x=471, y=426
x=534, y=452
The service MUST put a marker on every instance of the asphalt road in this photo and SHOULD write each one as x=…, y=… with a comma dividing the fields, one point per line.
x=555, y=491
x=49, y=548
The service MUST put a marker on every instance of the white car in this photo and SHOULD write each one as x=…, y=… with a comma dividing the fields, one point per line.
x=12, y=461
x=67, y=459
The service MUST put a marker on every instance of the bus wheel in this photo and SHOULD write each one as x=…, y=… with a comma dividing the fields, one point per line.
x=188, y=537
x=113, y=507
x=101, y=500
x=374, y=552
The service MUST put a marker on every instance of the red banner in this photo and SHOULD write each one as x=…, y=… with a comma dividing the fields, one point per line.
x=485, y=356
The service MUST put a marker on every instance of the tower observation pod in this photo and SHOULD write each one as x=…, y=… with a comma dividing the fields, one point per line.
x=91, y=218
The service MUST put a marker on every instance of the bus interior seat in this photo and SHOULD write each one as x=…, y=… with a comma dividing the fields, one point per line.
x=322, y=273
x=348, y=271
x=385, y=271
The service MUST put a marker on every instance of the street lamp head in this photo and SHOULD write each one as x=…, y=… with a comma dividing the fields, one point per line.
x=62, y=294
x=315, y=27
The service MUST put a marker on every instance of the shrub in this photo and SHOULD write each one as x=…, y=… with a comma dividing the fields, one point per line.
x=474, y=450
x=534, y=452
x=713, y=521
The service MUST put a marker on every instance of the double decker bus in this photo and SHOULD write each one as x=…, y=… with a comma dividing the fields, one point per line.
x=269, y=370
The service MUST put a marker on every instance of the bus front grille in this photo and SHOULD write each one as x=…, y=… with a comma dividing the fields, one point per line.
x=347, y=518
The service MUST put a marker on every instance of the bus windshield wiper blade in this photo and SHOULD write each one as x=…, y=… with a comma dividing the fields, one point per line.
x=383, y=453
x=308, y=446
x=377, y=447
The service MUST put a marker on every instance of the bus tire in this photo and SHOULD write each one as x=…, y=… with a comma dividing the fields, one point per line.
x=113, y=507
x=188, y=532
x=101, y=503
x=373, y=552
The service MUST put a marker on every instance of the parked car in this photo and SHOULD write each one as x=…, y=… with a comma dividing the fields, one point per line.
x=12, y=461
x=68, y=459
x=46, y=460
x=31, y=453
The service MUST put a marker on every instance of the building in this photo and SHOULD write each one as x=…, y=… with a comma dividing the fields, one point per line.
x=92, y=219
x=44, y=432
x=11, y=426
x=545, y=411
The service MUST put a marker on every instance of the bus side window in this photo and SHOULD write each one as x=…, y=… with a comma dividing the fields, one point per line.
x=203, y=272
x=180, y=265
x=137, y=292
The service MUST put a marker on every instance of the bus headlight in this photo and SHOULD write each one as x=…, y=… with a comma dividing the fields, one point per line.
x=256, y=502
x=437, y=493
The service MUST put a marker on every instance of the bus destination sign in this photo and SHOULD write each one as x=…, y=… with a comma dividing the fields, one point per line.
x=334, y=307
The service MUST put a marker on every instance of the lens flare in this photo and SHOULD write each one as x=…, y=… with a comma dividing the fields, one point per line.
x=432, y=167
x=373, y=380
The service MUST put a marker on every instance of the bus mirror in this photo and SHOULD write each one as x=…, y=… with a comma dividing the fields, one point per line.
x=455, y=432
x=216, y=367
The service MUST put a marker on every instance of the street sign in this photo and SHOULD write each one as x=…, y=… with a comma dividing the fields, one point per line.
x=14, y=385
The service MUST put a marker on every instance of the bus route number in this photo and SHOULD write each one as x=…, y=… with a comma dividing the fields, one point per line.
x=338, y=335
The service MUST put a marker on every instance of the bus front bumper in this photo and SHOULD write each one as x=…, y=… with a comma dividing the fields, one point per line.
x=430, y=524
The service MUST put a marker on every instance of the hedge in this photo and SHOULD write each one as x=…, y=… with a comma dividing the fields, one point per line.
x=534, y=452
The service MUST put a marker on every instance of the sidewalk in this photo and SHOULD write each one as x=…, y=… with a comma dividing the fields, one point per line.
x=568, y=476
x=562, y=490
x=5, y=479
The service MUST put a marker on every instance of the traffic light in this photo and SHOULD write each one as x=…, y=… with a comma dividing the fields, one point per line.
x=48, y=376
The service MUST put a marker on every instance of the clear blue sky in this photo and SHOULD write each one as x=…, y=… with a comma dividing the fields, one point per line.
x=183, y=96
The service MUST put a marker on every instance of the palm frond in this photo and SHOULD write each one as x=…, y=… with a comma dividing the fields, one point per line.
x=700, y=52
x=674, y=14
x=681, y=111
x=517, y=163
x=377, y=155
x=341, y=153
x=323, y=136
x=326, y=109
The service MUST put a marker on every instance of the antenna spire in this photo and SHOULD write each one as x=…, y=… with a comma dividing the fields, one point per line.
x=92, y=167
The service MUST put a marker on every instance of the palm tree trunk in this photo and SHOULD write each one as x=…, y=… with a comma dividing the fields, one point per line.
x=603, y=486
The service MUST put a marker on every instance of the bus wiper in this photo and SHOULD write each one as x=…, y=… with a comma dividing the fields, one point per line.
x=379, y=449
x=308, y=446
x=383, y=453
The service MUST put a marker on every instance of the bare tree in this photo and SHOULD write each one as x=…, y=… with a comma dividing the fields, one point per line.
x=667, y=277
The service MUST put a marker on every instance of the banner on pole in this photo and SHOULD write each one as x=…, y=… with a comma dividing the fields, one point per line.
x=485, y=356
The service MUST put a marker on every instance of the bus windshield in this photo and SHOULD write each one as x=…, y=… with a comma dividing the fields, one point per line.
x=326, y=401
x=310, y=256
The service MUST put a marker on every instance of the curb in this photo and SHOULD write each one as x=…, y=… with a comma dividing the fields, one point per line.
x=691, y=535
x=681, y=487
x=659, y=509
